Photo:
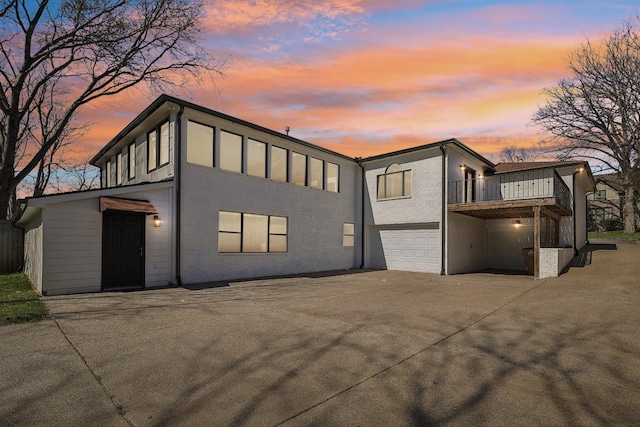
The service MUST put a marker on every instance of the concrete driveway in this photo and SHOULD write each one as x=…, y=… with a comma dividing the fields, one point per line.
x=367, y=348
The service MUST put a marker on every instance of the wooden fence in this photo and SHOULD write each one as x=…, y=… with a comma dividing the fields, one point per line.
x=11, y=247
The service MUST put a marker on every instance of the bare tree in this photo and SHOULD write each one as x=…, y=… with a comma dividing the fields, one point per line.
x=514, y=154
x=56, y=57
x=595, y=114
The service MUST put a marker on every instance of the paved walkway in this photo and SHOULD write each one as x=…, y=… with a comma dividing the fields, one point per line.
x=372, y=348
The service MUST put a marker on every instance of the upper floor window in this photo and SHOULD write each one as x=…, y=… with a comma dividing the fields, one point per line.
x=132, y=160
x=230, y=152
x=199, y=144
x=108, y=169
x=394, y=183
x=317, y=174
x=299, y=169
x=256, y=158
x=279, y=163
x=158, y=147
x=333, y=177
x=600, y=195
x=119, y=169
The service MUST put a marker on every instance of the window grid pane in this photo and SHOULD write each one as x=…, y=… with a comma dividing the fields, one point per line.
x=200, y=144
x=119, y=169
x=299, y=169
x=382, y=190
x=132, y=161
x=255, y=233
x=230, y=221
x=279, y=164
x=256, y=158
x=152, y=151
x=164, y=144
x=317, y=173
x=230, y=152
x=394, y=185
x=333, y=176
x=407, y=183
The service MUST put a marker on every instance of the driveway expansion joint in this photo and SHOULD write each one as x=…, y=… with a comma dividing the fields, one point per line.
x=118, y=406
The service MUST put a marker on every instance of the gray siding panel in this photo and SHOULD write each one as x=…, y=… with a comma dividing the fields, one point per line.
x=72, y=243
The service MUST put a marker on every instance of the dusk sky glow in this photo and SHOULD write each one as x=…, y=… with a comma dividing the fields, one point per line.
x=372, y=76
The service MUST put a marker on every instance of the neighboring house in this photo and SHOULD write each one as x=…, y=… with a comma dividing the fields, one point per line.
x=606, y=202
x=190, y=195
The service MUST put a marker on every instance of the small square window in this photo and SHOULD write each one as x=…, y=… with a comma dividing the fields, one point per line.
x=348, y=234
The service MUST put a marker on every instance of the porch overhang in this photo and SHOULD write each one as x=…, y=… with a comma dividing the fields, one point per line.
x=126, y=205
x=523, y=208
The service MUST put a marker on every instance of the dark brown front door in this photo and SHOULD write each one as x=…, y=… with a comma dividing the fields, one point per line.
x=122, y=250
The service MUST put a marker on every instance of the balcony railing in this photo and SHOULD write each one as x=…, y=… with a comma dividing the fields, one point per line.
x=521, y=185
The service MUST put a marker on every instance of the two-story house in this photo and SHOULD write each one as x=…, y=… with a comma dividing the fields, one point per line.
x=190, y=195
x=606, y=203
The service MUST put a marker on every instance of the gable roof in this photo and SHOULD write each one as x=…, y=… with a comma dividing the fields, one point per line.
x=168, y=99
x=613, y=180
x=452, y=141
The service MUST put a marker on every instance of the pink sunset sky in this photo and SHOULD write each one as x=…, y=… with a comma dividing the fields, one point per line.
x=371, y=76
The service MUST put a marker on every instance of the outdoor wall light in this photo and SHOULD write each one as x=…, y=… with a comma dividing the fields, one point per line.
x=157, y=222
x=517, y=222
x=462, y=167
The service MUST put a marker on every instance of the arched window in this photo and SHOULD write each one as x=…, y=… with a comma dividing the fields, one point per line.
x=394, y=183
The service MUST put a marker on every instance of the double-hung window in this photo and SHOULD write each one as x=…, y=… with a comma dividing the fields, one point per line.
x=348, y=234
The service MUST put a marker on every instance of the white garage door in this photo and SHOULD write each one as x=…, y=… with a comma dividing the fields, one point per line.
x=407, y=249
x=505, y=247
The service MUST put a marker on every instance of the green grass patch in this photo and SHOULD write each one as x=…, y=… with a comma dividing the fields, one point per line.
x=19, y=303
x=618, y=234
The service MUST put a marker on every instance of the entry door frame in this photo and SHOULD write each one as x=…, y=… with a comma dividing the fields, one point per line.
x=135, y=250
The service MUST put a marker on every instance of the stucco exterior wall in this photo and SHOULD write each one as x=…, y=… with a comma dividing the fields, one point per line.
x=315, y=217
x=33, y=251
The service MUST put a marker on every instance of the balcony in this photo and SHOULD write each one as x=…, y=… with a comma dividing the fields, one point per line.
x=511, y=195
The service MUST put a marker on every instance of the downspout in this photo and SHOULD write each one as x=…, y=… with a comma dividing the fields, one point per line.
x=573, y=197
x=443, y=228
x=178, y=185
x=362, y=227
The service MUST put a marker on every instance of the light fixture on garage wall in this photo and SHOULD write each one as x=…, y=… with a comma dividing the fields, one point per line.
x=517, y=222
x=157, y=222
